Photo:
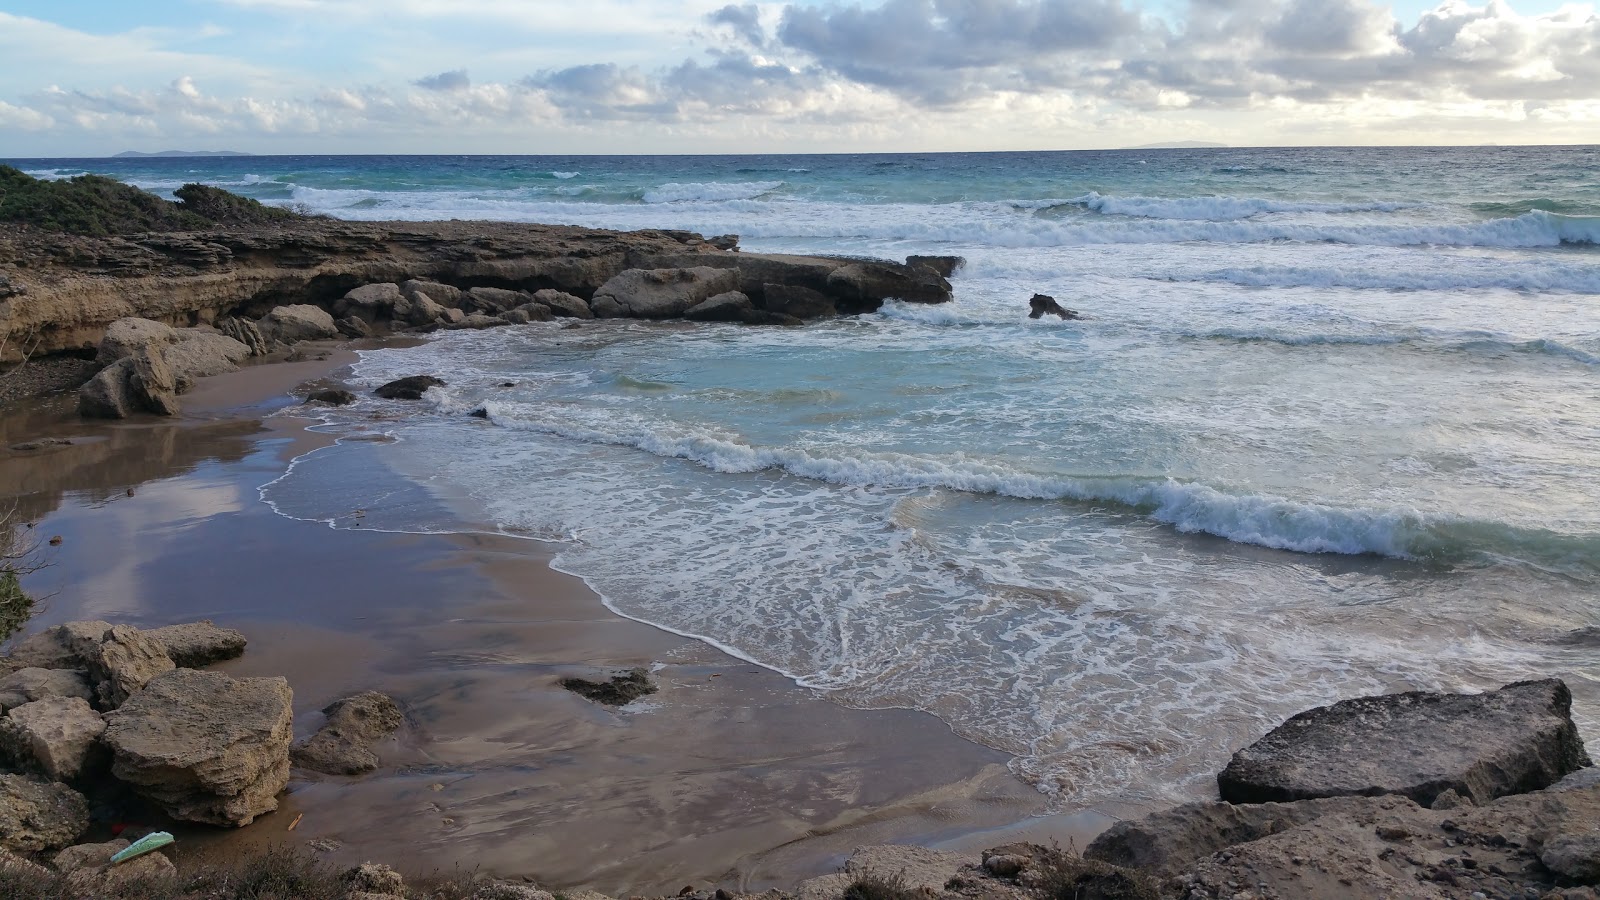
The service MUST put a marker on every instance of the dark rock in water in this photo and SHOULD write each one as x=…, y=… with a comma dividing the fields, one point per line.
x=800, y=302
x=41, y=444
x=410, y=387
x=479, y=413
x=865, y=285
x=763, y=317
x=1166, y=842
x=725, y=307
x=527, y=312
x=724, y=241
x=343, y=745
x=332, y=397
x=1042, y=304
x=660, y=293
x=944, y=265
x=1519, y=738
x=619, y=690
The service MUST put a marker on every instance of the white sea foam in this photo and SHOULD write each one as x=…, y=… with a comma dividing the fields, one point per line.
x=714, y=191
x=564, y=175
x=1218, y=208
x=1464, y=275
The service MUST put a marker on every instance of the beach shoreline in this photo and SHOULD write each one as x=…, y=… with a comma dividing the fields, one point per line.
x=730, y=776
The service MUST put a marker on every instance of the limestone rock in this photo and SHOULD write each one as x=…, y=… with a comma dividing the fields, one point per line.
x=763, y=317
x=410, y=387
x=29, y=684
x=1166, y=842
x=944, y=265
x=417, y=308
x=607, y=308
x=865, y=285
x=452, y=316
x=726, y=307
x=37, y=815
x=918, y=869
x=724, y=241
x=59, y=738
x=152, y=383
x=478, y=322
x=528, y=312
x=665, y=293
x=343, y=746
x=563, y=304
x=353, y=327
x=120, y=661
x=442, y=294
x=492, y=301
x=1574, y=855
x=58, y=647
x=370, y=300
x=332, y=397
x=201, y=354
x=619, y=690
x=299, y=322
x=800, y=302
x=247, y=333
x=374, y=878
x=196, y=644
x=509, y=890
x=89, y=871
x=106, y=395
x=13, y=864
x=205, y=747
x=124, y=336
x=1420, y=744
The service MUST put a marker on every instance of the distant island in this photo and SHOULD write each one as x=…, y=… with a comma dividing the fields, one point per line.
x=134, y=154
x=1179, y=145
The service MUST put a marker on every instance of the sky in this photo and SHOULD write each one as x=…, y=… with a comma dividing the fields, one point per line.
x=705, y=76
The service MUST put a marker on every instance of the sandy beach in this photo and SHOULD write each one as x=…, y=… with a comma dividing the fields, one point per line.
x=729, y=776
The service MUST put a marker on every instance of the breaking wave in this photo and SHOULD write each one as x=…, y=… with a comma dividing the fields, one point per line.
x=1215, y=208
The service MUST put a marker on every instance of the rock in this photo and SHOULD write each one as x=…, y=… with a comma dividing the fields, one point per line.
x=343, y=745
x=665, y=293
x=152, y=383
x=353, y=327
x=247, y=333
x=120, y=661
x=1583, y=778
x=1041, y=304
x=453, y=316
x=528, y=312
x=763, y=317
x=106, y=395
x=1516, y=739
x=1449, y=800
x=864, y=286
x=58, y=647
x=332, y=397
x=621, y=689
x=124, y=336
x=38, y=815
x=442, y=294
x=1165, y=842
x=300, y=322
x=410, y=387
x=727, y=307
x=29, y=684
x=918, y=870
x=724, y=241
x=201, y=643
x=492, y=301
x=1005, y=865
x=374, y=878
x=205, y=747
x=372, y=301
x=799, y=302
x=59, y=738
x=563, y=304
x=417, y=308
x=89, y=871
x=478, y=322
x=508, y=890
x=200, y=354
x=12, y=864
x=945, y=266
x=607, y=308
x=1574, y=855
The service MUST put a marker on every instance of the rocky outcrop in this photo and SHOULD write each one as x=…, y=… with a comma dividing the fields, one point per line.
x=205, y=747
x=29, y=684
x=196, y=644
x=38, y=815
x=526, y=313
x=411, y=387
x=343, y=746
x=89, y=871
x=562, y=304
x=58, y=738
x=945, y=266
x=799, y=302
x=200, y=354
x=660, y=293
x=918, y=870
x=1516, y=739
x=443, y=294
x=299, y=322
x=247, y=333
x=492, y=301
x=618, y=690
x=331, y=396
x=120, y=661
x=125, y=336
x=728, y=307
x=870, y=283
x=1041, y=305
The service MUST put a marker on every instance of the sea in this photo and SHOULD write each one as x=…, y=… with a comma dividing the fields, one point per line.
x=1329, y=426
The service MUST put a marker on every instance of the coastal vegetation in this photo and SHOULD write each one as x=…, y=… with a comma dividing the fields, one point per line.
x=97, y=206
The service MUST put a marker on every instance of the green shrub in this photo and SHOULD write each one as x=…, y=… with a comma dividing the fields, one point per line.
x=98, y=206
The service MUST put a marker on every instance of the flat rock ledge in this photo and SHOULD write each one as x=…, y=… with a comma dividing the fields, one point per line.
x=343, y=746
x=1519, y=738
x=205, y=747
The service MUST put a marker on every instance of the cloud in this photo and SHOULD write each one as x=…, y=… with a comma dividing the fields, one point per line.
x=744, y=20
x=455, y=80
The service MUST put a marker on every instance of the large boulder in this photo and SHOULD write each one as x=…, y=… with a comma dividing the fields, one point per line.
x=527, y=312
x=247, y=333
x=90, y=873
x=201, y=354
x=121, y=661
x=196, y=644
x=124, y=336
x=944, y=265
x=59, y=738
x=492, y=301
x=1420, y=744
x=58, y=647
x=865, y=285
x=563, y=304
x=411, y=387
x=343, y=746
x=442, y=294
x=152, y=382
x=370, y=301
x=29, y=684
x=205, y=747
x=417, y=309
x=38, y=815
x=299, y=322
x=800, y=302
x=728, y=307
x=664, y=293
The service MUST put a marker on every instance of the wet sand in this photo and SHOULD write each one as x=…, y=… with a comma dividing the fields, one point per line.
x=730, y=775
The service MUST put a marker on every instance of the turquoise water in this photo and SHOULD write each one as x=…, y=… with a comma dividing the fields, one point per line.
x=1331, y=426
